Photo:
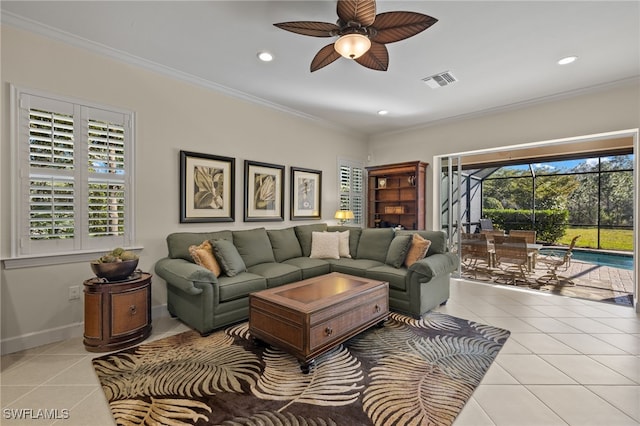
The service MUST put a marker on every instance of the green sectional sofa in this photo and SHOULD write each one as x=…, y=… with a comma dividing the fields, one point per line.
x=264, y=258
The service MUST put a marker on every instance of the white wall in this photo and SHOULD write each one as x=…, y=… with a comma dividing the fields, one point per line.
x=170, y=115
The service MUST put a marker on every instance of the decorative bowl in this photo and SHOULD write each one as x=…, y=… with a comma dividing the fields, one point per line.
x=114, y=271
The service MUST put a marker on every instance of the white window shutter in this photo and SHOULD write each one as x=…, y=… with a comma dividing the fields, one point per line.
x=74, y=171
x=351, y=188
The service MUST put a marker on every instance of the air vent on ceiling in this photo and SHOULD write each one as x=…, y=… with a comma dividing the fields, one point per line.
x=440, y=80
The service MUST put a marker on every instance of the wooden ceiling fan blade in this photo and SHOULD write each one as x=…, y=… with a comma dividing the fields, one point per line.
x=324, y=57
x=361, y=11
x=376, y=58
x=396, y=26
x=310, y=28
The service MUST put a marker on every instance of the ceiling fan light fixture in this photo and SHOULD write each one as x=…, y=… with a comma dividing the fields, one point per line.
x=352, y=45
x=363, y=35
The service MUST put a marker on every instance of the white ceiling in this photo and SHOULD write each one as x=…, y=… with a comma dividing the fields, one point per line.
x=502, y=52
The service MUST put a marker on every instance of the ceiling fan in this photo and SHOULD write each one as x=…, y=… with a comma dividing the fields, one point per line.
x=363, y=34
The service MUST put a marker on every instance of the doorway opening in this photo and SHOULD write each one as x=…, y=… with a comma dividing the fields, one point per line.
x=574, y=196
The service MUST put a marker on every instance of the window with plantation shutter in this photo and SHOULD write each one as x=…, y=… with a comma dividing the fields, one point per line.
x=51, y=170
x=351, y=190
x=106, y=157
x=74, y=173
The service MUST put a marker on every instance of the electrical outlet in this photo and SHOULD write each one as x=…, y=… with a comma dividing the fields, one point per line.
x=74, y=292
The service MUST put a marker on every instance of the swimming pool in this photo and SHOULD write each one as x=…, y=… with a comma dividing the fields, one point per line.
x=596, y=257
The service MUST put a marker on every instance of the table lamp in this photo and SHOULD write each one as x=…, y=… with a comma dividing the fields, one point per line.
x=343, y=216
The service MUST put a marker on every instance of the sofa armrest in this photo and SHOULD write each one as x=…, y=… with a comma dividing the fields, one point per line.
x=434, y=265
x=183, y=274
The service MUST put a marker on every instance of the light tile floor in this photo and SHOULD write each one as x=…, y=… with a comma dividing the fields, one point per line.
x=567, y=362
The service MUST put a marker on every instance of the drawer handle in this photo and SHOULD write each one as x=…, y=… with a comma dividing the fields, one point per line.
x=133, y=310
x=328, y=331
x=377, y=308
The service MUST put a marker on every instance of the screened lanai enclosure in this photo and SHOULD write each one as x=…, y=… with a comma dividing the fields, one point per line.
x=578, y=203
x=592, y=194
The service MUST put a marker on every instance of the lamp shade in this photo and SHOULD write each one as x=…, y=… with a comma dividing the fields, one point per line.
x=352, y=46
x=343, y=215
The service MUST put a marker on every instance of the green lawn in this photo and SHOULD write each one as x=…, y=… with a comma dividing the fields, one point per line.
x=610, y=239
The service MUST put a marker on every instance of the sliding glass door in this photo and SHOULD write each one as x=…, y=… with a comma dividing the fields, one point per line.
x=450, y=195
x=459, y=193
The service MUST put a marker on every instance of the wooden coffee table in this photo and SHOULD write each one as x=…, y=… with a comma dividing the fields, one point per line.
x=310, y=317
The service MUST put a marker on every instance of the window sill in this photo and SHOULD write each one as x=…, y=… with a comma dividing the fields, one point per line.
x=57, y=259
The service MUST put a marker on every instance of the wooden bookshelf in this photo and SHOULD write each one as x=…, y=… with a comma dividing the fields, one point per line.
x=396, y=195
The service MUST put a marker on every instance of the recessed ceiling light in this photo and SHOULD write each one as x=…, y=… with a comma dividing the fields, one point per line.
x=383, y=112
x=265, y=56
x=567, y=60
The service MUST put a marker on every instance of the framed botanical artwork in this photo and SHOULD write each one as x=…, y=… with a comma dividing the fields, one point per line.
x=263, y=192
x=207, y=188
x=306, y=193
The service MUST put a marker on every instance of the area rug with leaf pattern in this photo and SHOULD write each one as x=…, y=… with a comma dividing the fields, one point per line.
x=408, y=372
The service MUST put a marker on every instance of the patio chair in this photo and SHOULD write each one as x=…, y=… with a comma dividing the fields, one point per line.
x=512, y=258
x=530, y=238
x=486, y=225
x=555, y=263
x=475, y=254
x=491, y=233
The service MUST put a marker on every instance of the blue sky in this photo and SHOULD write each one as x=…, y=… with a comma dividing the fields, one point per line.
x=556, y=166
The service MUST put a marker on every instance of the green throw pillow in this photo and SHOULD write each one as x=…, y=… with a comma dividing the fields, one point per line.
x=398, y=250
x=254, y=246
x=285, y=244
x=228, y=257
x=374, y=243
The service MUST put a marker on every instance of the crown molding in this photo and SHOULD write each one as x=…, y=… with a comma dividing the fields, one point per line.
x=17, y=21
x=519, y=105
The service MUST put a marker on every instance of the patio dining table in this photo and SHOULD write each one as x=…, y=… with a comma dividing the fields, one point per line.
x=532, y=250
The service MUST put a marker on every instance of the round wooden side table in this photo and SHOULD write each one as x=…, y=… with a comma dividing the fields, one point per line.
x=116, y=314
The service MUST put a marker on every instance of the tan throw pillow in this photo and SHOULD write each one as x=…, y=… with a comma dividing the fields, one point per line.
x=417, y=251
x=203, y=255
x=325, y=245
x=343, y=246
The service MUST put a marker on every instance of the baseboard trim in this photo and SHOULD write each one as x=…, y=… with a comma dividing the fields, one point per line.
x=58, y=334
x=39, y=338
x=159, y=311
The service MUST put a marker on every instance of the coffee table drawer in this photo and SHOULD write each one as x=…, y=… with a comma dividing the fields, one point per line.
x=344, y=323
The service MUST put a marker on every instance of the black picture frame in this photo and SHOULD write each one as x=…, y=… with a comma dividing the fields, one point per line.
x=207, y=188
x=306, y=194
x=263, y=192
